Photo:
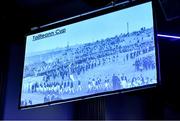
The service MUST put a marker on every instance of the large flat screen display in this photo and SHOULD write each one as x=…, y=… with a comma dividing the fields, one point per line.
x=100, y=55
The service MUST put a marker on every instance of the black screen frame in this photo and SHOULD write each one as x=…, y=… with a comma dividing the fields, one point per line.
x=83, y=17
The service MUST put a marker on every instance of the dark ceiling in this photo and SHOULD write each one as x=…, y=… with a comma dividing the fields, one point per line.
x=21, y=15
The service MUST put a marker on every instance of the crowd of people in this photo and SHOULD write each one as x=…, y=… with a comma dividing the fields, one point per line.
x=145, y=63
x=76, y=61
x=91, y=55
x=54, y=91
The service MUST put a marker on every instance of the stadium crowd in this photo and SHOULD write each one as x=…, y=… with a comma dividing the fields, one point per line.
x=78, y=60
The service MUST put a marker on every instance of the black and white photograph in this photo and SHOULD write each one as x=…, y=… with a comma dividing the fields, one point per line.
x=107, y=53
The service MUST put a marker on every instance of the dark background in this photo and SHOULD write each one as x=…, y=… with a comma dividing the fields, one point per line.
x=16, y=19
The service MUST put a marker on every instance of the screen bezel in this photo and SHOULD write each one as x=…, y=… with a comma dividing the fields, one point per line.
x=87, y=16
